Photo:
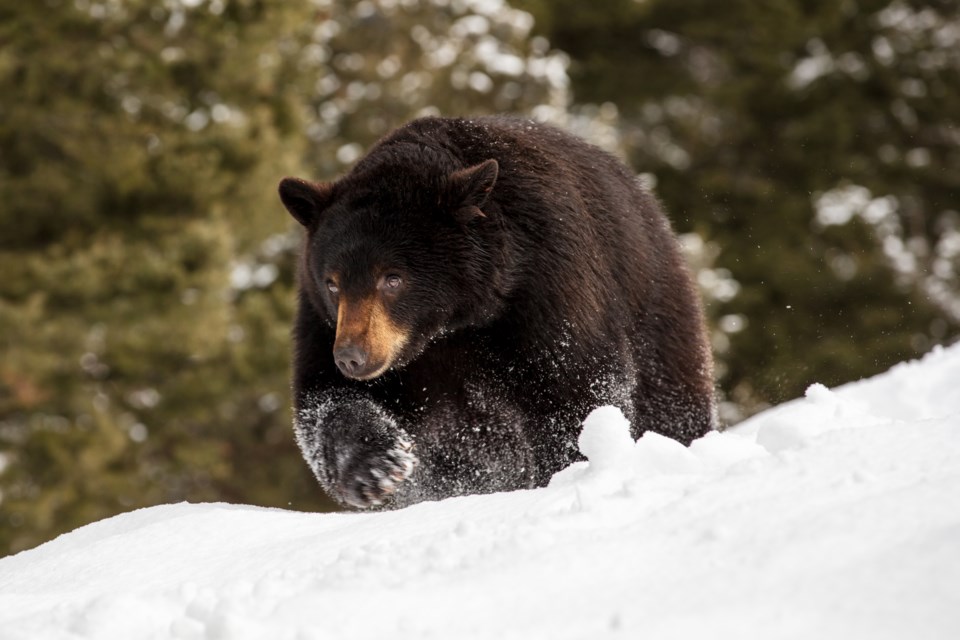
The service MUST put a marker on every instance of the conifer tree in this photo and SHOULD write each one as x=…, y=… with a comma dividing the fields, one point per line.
x=147, y=287
x=812, y=143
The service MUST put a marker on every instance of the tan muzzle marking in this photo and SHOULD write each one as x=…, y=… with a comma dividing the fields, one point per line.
x=365, y=323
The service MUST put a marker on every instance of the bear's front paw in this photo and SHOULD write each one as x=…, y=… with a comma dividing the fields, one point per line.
x=370, y=474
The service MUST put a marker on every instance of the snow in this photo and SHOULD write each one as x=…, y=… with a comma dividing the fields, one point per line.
x=832, y=516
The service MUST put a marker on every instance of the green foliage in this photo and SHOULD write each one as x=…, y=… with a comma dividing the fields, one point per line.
x=120, y=195
x=148, y=269
x=148, y=280
x=754, y=116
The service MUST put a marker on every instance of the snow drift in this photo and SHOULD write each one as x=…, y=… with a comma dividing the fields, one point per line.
x=833, y=516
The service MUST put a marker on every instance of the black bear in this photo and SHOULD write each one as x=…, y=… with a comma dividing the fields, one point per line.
x=469, y=292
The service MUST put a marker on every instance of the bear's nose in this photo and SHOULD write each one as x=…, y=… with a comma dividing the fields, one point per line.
x=350, y=360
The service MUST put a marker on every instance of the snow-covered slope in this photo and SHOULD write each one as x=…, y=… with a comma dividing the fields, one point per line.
x=835, y=516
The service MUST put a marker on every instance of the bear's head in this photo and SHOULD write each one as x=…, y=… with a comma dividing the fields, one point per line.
x=398, y=252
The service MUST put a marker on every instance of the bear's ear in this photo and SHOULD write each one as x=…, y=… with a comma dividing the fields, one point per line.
x=470, y=188
x=305, y=200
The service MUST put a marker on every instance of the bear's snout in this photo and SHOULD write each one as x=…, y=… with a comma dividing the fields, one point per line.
x=367, y=341
x=352, y=361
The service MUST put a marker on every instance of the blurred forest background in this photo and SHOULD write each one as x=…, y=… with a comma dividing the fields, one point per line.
x=807, y=150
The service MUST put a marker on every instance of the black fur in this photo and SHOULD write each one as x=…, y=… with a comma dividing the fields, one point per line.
x=541, y=281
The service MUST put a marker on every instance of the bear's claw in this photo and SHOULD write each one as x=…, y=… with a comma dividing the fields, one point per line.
x=370, y=481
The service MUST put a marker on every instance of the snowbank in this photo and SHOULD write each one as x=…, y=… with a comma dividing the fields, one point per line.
x=834, y=516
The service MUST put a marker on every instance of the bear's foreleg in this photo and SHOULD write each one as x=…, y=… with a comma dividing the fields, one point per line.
x=355, y=448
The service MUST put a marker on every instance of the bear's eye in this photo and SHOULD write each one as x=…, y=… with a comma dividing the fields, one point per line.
x=332, y=287
x=392, y=281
